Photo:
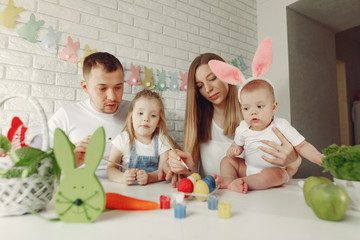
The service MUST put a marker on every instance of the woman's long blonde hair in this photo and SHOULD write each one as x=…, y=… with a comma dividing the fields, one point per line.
x=199, y=111
x=161, y=130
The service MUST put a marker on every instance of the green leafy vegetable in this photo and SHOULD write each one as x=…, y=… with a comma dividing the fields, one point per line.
x=27, y=160
x=5, y=143
x=343, y=162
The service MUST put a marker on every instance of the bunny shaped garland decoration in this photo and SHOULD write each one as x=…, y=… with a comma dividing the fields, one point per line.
x=48, y=43
x=30, y=29
x=69, y=52
x=134, y=78
x=174, y=84
x=148, y=81
x=80, y=196
x=260, y=66
x=161, y=85
x=7, y=17
x=184, y=80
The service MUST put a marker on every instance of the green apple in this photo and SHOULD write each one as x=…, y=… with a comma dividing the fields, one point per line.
x=329, y=202
x=311, y=182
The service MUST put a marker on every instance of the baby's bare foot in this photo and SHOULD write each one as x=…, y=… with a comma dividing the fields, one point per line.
x=238, y=185
x=219, y=180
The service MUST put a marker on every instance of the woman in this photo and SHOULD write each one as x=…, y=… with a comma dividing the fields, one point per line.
x=212, y=115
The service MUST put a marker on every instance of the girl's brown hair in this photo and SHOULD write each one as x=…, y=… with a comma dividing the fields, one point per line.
x=199, y=111
x=161, y=130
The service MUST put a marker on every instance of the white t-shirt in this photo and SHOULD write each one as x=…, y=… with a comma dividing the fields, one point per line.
x=80, y=119
x=214, y=150
x=250, y=139
x=121, y=142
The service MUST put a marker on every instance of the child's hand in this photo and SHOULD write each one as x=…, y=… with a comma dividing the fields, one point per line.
x=130, y=176
x=142, y=177
x=234, y=150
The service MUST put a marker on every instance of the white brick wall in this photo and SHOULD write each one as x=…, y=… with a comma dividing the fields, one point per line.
x=162, y=34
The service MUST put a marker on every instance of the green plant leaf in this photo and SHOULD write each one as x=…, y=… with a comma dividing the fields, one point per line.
x=5, y=143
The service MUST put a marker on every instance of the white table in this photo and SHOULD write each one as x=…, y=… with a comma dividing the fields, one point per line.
x=279, y=213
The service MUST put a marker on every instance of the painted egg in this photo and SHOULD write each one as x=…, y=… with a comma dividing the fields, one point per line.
x=196, y=175
x=201, y=188
x=185, y=185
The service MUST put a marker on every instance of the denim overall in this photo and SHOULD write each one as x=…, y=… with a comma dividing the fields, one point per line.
x=147, y=163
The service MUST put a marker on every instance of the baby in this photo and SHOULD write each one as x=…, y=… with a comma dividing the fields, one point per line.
x=258, y=106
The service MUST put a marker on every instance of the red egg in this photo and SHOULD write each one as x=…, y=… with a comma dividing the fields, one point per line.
x=185, y=185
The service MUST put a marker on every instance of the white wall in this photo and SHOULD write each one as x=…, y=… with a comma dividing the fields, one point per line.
x=162, y=34
x=272, y=22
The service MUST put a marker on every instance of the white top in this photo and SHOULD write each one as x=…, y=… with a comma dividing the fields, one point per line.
x=250, y=139
x=121, y=142
x=80, y=119
x=214, y=150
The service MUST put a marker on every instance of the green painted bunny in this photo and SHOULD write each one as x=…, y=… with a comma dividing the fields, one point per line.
x=80, y=196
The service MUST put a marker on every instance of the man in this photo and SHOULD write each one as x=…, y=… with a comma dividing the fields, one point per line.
x=104, y=83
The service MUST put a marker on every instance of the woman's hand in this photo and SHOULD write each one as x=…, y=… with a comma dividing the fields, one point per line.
x=175, y=164
x=285, y=154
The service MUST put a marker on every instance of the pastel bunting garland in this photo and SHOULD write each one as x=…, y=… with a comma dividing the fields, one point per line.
x=69, y=53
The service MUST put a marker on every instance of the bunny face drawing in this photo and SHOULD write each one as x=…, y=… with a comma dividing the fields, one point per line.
x=80, y=196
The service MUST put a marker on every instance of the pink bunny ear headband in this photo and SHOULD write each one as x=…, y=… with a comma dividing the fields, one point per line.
x=260, y=66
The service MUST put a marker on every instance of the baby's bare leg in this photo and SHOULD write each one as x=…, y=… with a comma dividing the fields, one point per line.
x=230, y=168
x=267, y=178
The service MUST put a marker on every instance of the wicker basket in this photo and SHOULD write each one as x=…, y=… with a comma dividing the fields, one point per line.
x=18, y=195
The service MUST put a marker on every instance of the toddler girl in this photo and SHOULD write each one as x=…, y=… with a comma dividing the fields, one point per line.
x=140, y=145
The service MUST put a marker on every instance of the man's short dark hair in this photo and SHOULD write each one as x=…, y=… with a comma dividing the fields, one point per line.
x=106, y=60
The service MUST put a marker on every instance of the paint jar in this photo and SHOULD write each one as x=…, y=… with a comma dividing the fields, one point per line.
x=224, y=209
x=180, y=210
x=212, y=202
x=165, y=202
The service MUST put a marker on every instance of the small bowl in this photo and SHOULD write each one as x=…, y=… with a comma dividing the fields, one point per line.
x=353, y=190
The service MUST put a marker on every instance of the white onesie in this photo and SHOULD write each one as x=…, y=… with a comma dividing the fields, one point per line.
x=250, y=139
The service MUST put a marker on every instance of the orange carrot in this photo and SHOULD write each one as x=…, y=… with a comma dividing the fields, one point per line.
x=122, y=202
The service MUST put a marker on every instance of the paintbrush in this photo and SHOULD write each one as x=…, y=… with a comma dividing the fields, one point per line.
x=170, y=145
x=117, y=164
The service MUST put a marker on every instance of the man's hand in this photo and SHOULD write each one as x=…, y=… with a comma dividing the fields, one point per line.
x=80, y=150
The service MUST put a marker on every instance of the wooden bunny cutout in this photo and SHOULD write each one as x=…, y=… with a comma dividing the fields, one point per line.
x=29, y=30
x=48, y=43
x=184, y=80
x=80, y=196
x=7, y=17
x=161, y=85
x=69, y=52
x=148, y=81
x=134, y=78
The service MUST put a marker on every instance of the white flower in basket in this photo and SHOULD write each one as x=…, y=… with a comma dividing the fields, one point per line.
x=27, y=175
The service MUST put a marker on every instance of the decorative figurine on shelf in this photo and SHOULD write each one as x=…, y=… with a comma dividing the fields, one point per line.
x=69, y=52
x=16, y=134
x=29, y=30
x=7, y=17
x=80, y=196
